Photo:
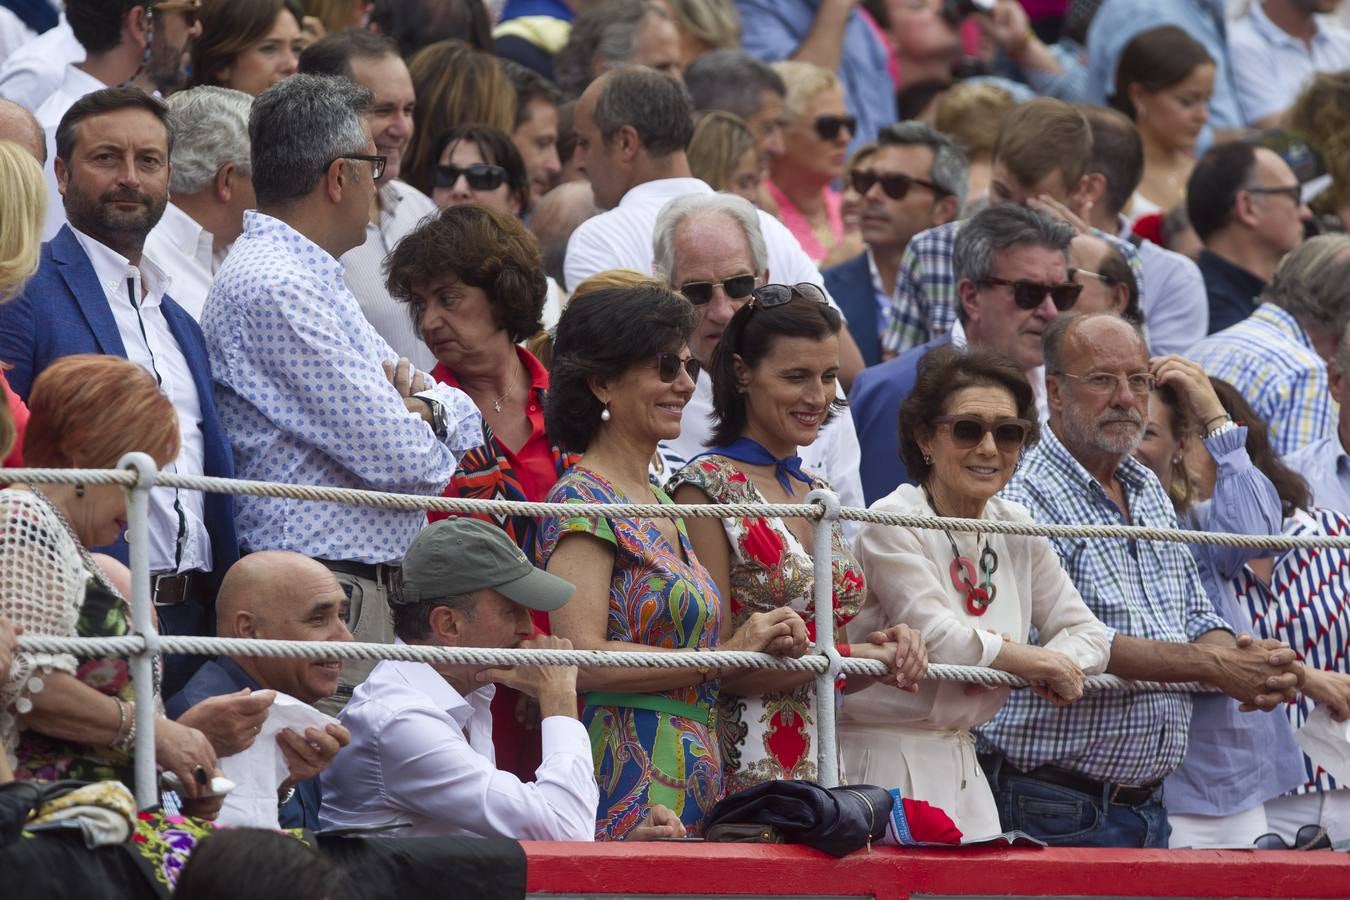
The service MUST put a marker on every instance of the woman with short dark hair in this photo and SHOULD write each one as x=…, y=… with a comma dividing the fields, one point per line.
x=774, y=374
x=975, y=597
x=622, y=374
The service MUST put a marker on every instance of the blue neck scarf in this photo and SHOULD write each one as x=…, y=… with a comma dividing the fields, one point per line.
x=749, y=450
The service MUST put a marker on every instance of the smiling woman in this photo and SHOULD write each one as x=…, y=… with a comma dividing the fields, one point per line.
x=248, y=45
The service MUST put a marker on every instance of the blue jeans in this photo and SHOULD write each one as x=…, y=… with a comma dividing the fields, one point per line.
x=1064, y=817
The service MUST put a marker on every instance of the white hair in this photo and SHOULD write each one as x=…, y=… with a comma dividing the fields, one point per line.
x=210, y=128
x=735, y=208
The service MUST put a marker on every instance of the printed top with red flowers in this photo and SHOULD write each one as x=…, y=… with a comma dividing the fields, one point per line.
x=774, y=735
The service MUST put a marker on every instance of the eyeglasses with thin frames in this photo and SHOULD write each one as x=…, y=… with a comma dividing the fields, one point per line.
x=1104, y=279
x=1293, y=191
x=1031, y=294
x=1141, y=383
x=377, y=163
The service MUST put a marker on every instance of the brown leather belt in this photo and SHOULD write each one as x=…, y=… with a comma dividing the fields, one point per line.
x=170, y=590
x=1120, y=794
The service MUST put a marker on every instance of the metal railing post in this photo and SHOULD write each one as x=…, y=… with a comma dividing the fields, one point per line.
x=822, y=552
x=143, y=624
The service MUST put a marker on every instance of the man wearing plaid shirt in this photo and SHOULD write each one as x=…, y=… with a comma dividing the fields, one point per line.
x=1090, y=774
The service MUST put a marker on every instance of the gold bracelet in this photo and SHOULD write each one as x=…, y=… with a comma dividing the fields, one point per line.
x=125, y=743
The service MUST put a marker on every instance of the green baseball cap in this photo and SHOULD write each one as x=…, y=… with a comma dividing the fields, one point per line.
x=461, y=555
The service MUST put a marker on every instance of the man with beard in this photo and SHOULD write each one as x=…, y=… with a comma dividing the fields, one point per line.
x=127, y=44
x=1091, y=774
x=96, y=292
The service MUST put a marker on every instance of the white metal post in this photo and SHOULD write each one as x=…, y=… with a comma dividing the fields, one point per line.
x=822, y=550
x=143, y=624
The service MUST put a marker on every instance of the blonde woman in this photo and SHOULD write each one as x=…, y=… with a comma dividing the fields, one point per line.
x=724, y=153
x=23, y=205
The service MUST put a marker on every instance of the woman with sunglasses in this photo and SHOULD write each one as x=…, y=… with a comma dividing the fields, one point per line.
x=773, y=378
x=1213, y=454
x=974, y=597
x=816, y=143
x=622, y=374
x=480, y=164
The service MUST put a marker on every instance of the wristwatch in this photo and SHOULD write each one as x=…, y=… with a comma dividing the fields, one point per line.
x=438, y=423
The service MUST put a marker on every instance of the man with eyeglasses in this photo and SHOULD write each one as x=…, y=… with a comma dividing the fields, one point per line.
x=308, y=390
x=1011, y=266
x=1091, y=774
x=1107, y=283
x=711, y=249
x=141, y=45
x=1247, y=208
x=372, y=61
x=914, y=180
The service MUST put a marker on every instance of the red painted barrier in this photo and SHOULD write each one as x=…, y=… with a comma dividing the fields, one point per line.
x=892, y=873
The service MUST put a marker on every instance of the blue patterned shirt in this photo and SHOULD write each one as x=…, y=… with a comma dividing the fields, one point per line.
x=925, y=298
x=1269, y=358
x=304, y=399
x=1145, y=589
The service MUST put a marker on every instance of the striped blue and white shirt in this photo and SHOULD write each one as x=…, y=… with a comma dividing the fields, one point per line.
x=1270, y=359
x=1146, y=589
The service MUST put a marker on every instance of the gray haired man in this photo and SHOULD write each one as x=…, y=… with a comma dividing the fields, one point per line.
x=308, y=391
x=209, y=189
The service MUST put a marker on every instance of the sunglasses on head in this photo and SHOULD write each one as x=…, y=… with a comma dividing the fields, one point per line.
x=481, y=176
x=828, y=127
x=969, y=431
x=896, y=185
x=1030, y=294
x=771, y=295
x=699, y=293
x=668, y=367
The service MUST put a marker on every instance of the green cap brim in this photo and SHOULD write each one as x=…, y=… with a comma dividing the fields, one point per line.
x=538, y=589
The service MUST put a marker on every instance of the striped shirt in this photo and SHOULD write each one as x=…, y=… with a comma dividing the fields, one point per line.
x=925, y=298
x=1269, y=358
x=1146, y=589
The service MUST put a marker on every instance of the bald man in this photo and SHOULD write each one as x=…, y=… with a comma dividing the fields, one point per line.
x=280, y=596
x=19, y=125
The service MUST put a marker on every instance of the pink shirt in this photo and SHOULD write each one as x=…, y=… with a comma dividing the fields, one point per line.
x=796, y=223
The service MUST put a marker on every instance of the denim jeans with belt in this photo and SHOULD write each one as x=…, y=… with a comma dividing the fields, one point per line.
x=1064, y=817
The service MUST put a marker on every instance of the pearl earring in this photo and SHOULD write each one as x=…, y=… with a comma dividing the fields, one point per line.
x=604, y=414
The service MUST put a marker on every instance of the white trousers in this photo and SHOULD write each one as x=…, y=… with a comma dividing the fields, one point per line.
x=1241, y=829
x=1330, y=809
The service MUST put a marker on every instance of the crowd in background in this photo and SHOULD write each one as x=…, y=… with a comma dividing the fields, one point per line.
x=1060, y=262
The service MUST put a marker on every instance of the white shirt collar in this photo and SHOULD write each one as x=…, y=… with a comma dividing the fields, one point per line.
x=77, y=82
x=189, y=237
x=425, y=679
x=113, y=269
x=664, y=188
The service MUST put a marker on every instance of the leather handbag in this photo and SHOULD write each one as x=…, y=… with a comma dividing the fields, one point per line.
x=836, y=821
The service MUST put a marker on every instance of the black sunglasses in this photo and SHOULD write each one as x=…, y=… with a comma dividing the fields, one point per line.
x=737, y=287
x=896, y=185
x=1309, y=837
x=969, y=431
x=828, y=127
x=1030, y=294
x=668, y=367
x=1294, y=192
x=377, y=163
x=481, y=176
x=190, y=9
x=771, y=295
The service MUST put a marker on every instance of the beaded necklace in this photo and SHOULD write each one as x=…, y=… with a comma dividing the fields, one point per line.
x=962, y=569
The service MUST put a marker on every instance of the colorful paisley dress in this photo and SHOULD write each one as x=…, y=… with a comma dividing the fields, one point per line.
x=772, y=736
x=657, y=598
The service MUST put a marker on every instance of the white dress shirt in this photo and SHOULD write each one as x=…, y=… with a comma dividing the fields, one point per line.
x=834, y=456
x=1271, y=66
x=30, y=74
x=402, y=207
x=422, y=754
x=13, y=33
x=179, y=541
x=75, y=83
x=621, y=238
x=186, y=252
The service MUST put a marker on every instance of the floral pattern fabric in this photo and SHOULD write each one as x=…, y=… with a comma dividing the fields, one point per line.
x=660, y=596
x=772, y=736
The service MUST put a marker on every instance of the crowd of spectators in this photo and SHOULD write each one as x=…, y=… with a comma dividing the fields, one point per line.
x=1086, y=266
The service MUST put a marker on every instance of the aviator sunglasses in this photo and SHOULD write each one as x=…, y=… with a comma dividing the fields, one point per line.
x=828, y=127
x=737, y=287
x=481, y=176
x=668, y=367
x=1030, y=294
x=969, y=431
x=896, y=185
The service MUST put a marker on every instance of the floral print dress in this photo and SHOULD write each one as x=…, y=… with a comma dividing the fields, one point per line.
x=660, y=596
x=772, y=736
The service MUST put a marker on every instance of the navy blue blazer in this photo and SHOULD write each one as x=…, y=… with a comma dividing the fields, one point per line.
x=874, y=402
x=64, y=311
x=850, y=284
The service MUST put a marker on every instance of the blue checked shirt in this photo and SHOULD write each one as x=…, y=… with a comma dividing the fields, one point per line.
x=925, y=298
x=303, y=397
x=1269, y=358
x=1146, y=589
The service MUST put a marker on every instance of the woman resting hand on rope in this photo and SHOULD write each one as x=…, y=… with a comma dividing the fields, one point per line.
x=622, y=374
x=773, y=376
x=962, y=431
x=63, y=717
